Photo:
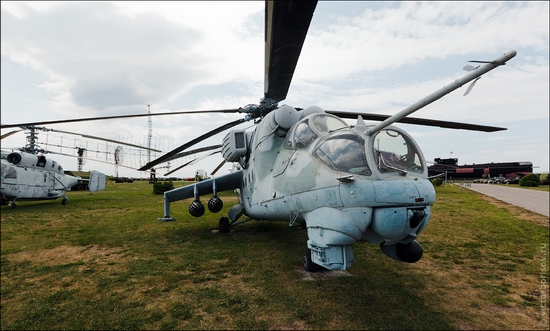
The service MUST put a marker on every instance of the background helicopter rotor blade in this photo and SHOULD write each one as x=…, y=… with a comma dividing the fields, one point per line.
x=92, y=159
x=5, y=126
x=286, y=25
x=9, y=134
x=209, y=134
x=104, y=139
x=418, y=121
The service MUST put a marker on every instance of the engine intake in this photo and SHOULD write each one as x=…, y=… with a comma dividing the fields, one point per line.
x=234, y=145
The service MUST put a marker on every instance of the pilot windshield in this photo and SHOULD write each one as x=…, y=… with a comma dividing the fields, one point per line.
x=394, y=151
x=319, y=125
x=343, y=151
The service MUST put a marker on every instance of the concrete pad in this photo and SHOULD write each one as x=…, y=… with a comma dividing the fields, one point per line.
x=321, y=274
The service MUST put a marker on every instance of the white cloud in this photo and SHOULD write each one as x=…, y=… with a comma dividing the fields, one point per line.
x=78, y=59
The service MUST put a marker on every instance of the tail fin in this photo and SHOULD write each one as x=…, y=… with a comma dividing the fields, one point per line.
x=97, y=181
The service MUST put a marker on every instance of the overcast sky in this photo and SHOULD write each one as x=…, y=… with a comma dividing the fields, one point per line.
x=81, y=59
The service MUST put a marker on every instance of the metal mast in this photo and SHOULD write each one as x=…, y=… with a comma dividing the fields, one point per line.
x=149, y=134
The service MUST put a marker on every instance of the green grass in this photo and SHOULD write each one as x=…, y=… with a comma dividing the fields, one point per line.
x=105, y=262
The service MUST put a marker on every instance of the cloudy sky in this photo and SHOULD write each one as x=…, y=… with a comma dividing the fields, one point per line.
x=82, y=59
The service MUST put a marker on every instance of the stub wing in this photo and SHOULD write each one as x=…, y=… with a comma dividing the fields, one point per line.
x=211, y=186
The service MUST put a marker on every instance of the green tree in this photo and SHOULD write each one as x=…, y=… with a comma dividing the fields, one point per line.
x=531, y=180
x=436, y=181
x=161, y=187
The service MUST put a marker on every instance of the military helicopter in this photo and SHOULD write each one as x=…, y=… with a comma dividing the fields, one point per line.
x=344, y=183
x=27, y=174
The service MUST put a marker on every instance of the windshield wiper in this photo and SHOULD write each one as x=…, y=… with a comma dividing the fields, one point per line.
x=382, y=162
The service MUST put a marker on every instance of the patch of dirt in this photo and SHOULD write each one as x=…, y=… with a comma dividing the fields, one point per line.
x=321, y=274
x=67, y=254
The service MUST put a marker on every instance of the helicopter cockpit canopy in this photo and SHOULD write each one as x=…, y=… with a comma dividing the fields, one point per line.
x=315, y=126
x=395, y=151
x=343, y=151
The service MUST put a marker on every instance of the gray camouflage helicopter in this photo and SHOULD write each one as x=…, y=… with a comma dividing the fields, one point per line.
x=343, y=183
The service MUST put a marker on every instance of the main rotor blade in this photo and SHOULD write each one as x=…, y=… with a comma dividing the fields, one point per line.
x=192, y=162
x=217, y=168
x=198, y=150
x=104, y=139
x=418, y=121
x=209, y=134
x=286, y=25
x=9, y=134
x=5, y=126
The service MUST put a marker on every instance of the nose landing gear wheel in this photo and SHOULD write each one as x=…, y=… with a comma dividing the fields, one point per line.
x=308, y=264
x=223, y=225
x=65, y=201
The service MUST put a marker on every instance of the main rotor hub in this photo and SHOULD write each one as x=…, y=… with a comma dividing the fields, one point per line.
x=257, y=112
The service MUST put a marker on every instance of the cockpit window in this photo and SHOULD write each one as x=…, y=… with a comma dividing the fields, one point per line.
x=317, y=126
x=395, y=152
x=325, y=123
x=303, y=135
x=344, y=151
x=8, y=171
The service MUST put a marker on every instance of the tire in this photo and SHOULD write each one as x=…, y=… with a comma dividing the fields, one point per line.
x=308, y=264
x=65, y=201
x=223, y=226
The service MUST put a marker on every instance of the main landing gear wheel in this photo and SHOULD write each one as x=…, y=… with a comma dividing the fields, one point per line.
x=223, y=226
x=308, y=264
x=65, y=201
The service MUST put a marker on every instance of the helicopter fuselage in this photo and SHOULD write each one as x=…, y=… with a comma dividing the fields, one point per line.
x=345, y=184
x=27, y=176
